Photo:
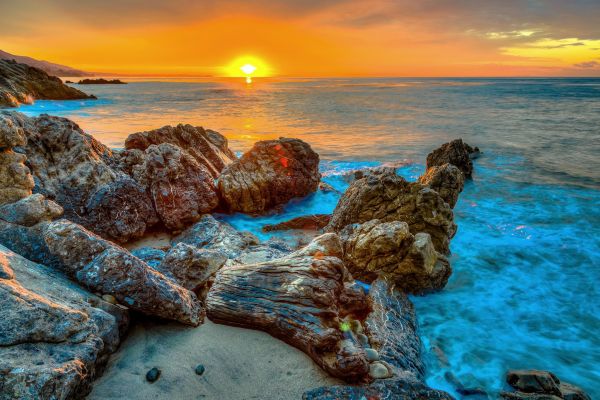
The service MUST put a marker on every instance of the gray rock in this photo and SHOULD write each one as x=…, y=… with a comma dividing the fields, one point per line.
x=378, y=370
x=16, y=181
x=151, y=256
x=533, y=381
x=30, y=210
x=372, y=355
x=153, y=375
x=200, y=369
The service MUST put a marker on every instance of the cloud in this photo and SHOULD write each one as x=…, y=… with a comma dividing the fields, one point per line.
x=588, y=64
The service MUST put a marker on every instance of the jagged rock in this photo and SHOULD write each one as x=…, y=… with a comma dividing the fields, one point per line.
x=302, y=301
x=208, y=147
x=120, y=210
x=16, y=181
x=151, y=256
x=11, y=135
x=456, y=153
x=445, y=179
x=328, y=244
x=389, y=197
x=103, y=267
x=392, y=331
x=270, y=174
x=55, y=338
x=181, y=189
x=71, y=167
x=308, y=222
x=540, y=385
x=30, y=210
x=238, y=247
x=191, y=267
x=21, y=83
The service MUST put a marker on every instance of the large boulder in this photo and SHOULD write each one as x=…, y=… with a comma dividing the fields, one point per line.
x=181, y=189
x=536, y=384
x=55, y=337
x=30, y=210
x=16, y=181
x=11, y=135
x=103, y=267
x=208, y=147
x=389, y=197
x=76, y=171
x=456, y=153
x=270, y=174
x=445, y=179
x=21, y=83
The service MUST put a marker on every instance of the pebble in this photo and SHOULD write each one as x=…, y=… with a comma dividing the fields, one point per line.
x=372, y=355
x=363, y=339
x=200, y=369
x=153, y=375
x=109, y=298
x=379, y=371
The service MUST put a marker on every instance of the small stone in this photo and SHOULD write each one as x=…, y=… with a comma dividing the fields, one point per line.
x=372, y=355
x=379, y=371
x=200, y=369
x=153, y=375
x=109, y=298
x=363, y=339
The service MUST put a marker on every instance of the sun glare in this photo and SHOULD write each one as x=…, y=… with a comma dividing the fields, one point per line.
x=247, y=67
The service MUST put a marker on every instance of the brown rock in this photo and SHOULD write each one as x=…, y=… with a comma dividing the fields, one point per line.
x=307, y=222
x=456, y=153
x=30, y=210
x=389, y=197
x=270, y=174
x=445, y=179
x=16, y=181
x=11, y=135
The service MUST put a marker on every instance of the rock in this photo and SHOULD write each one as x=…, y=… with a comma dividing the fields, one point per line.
x=378, y=370
x=109, y=298
x=100, y=81
x=120, y=210
x=372, y=355
x=572, y=392
x=191, y=267
x=55, y=338
x=456, y=153
x=16, y=180
x=153, y=375
x=270, y=174
x=208, y=147
x=103, y=267
x=326, y=187
x=302, y=301
x=22, y=84
x=389, y=197
x=151, y=256
x=181, y=189
x=306, y=222
x=238, y=247
x=445, y=179
x=76, y=171
x=30, y=210
x=200, y=369
x=328, y=244
x=11, y=135
x=527, y=396
x=533, y=381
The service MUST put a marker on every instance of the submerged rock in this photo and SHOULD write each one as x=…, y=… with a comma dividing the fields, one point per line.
x=208, y=147
x=535, y=384
x=445, y=179
x=55, y=338
x=456, y=153
x=153, y=374
x=270, y=174
x=389, y=197
x=308, y=222
x=22, y=84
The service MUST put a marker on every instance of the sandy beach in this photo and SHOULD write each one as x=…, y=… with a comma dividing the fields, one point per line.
x=240, y=364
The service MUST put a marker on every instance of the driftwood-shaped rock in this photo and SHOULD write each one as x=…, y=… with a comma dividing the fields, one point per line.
x=445, y=179
x=389, y=197
x=306, y=222
x=208, y=147
x=270, y=174
x=456, y=153
x=55, y=337
x=302, y=301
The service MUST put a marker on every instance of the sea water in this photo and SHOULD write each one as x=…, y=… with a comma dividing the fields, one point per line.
x=526, y=257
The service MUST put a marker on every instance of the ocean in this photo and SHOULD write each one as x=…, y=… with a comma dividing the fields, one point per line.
x=526, y=257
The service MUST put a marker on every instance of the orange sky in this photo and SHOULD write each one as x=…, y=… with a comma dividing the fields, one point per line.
x=309, y=37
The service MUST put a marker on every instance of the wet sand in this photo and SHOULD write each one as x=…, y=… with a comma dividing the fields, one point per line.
x=240, y=364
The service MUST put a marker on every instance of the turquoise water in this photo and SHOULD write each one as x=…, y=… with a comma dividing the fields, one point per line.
x=523, y=293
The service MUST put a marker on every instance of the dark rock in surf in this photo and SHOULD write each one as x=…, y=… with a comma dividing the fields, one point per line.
x=270, y=174
x=456, y=153
x=306, y=222
x=153, y=374
x=536, y=384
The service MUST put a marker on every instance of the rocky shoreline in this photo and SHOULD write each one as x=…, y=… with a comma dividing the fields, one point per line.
x=68, y=288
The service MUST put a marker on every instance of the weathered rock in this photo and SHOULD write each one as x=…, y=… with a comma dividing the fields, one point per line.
x=191, y=267
x=445, y=179
x=11, y=135
x=22, y=84
x=270, y=174
x=71, y=168
x=307, y=222
x=389, y=197
x=328, y=244
x=16, y=181
x=572, y=392
x=540, y=385
x=103, y=267
x=456, y=153
x=55, y=338
x=528, y=396
x=208, y=147
x=238, y=247
x=302, y=301
x=181, y=189
x=30, y=210
x=151, y=256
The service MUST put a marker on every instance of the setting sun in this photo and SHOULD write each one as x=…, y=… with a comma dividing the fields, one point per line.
x=246, y=66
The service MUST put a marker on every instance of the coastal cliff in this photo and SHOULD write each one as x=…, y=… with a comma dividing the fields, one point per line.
x=23, y=84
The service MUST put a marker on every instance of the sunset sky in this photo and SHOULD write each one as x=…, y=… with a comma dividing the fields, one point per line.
x=308, y=38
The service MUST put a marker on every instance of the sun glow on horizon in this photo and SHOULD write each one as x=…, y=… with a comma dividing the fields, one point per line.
x=246, y=67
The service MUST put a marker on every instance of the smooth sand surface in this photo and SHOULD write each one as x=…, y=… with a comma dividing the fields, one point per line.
x=240, y=364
